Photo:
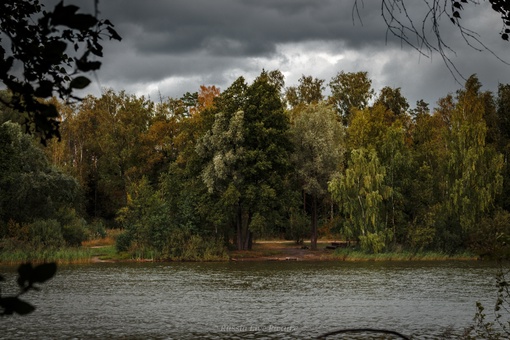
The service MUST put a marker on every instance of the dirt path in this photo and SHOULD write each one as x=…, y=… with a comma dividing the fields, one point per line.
x=283, y=251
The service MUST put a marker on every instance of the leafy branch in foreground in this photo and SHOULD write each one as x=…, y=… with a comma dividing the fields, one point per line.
x=28, y=276
x=50, y=51
x=499, y=326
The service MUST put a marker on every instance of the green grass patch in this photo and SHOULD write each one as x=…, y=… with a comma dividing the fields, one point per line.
x=358, y=255
x=106, y=253
x=61, y=255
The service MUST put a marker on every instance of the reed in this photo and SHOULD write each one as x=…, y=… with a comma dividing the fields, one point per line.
x=358, y=255
x=61, y=256
x=110, y=239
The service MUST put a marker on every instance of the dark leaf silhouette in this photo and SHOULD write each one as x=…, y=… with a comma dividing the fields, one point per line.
x=62, y=13
x=24, y=274
x=11, y=305
x=114, y=35
x=27, y=276
x=80, y=82
x=38, y=39
x=39, y=274
x=86, y=66
x=45, y=89
x=44, y=272
x=82, y=22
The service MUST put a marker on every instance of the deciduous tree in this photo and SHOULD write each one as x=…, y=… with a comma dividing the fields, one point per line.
x=318, y=140
x=246, y=154
x=352, y=90
x=360, y=193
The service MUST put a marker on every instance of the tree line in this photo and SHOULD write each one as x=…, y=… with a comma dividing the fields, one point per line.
x=185, y=177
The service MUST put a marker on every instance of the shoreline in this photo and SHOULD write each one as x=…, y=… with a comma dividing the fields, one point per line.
x=263, y=251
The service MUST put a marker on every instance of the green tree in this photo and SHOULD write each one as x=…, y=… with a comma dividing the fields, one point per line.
x=396, y=155
x=352, y=90
x=392, y=100
x=503, y=142
x=39, y=205
x=360, y=193
x=145, y=220
x=422, y=108
x=246, y=154
x=30, y=187
x=112, y=141
x=474, y=168
x=389, y=134
x=368, y=127
x=426, y=209
x=309, y=91
x=318, y=149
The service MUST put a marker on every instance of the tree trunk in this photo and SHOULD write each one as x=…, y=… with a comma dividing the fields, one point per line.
x=248, y=241
x=313, y=240
x=239, y=228
x=304, y=202
x=244, y=237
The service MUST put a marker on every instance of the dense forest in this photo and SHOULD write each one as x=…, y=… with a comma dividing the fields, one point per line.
x=189, y=177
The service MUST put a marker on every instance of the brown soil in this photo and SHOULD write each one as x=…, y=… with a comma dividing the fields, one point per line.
x=283, y=251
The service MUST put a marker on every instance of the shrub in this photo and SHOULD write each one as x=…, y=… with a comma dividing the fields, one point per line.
x=46, y=233
x=299, y=226
x=96, y=229
x=123, y=241
x=75, y=232
x=74, y=228
x=491, y=236
x=421, y=236
x=374, y=242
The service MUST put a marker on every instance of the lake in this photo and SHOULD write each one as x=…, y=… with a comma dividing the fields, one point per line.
x=251, y=300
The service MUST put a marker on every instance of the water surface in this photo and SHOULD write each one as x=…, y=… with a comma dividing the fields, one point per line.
x=251, y=300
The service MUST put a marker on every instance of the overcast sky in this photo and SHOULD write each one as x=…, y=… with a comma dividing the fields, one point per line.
x=174, y=46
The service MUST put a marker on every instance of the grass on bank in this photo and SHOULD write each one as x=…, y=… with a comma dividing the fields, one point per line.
x=108, y=240
x=103, y=249
x=282, y=249
x=346, y=254
x=61, y=256
x=99, y=248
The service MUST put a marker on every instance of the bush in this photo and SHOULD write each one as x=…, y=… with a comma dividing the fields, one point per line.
x=75, y=233
x=46, y=233
x=373, y=242
x=186, y=246
x=96, y=229
x=421, y=236
x=299, y=226
x=74, y=228
x=491, y=236
x=123, y=242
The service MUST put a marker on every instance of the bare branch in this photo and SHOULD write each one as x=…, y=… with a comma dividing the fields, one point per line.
x=428, y=39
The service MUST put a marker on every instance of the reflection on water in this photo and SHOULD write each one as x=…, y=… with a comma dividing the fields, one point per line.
x=252, y=300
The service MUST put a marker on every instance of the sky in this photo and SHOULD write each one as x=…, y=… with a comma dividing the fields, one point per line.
x=171, y=47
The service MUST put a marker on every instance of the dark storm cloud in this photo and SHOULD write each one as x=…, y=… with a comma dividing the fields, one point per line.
x=179, y=38
x=238, y=28
x=177, y=45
